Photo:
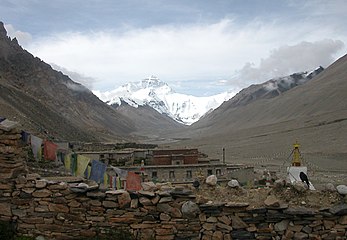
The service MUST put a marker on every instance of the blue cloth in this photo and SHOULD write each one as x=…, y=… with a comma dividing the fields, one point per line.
x=98, y=171
x=25, y=136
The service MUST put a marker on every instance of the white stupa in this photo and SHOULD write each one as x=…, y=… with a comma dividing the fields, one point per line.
x=294, y=170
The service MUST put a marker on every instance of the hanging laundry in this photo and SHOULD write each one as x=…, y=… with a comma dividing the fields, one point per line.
x=82, y=164
x=133, y=182
x=50, y=150
x=98, y=171
x=36, y=143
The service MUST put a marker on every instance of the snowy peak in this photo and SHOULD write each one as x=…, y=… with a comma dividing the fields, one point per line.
x=152, y=82
x=152, y=92
x=188, y=109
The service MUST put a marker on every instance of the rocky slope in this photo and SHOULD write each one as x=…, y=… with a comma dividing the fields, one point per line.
x=46, y=102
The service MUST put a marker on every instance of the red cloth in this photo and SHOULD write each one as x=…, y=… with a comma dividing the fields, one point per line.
x=50, y=150
x=133, y=182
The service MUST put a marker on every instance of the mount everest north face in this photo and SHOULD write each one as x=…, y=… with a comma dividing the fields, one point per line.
x=188, y=109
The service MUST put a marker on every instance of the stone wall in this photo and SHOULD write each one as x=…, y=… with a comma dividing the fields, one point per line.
x=61, y=210
x=56, y=211
x=12, y=156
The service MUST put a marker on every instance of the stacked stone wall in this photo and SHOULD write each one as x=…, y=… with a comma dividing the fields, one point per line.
x=55, y=211
x=61, y=210
x=12, y=156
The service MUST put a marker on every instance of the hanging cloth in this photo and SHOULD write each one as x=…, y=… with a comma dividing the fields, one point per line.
x=36, y=147
x=50, y=150
x=73, y=165
x=25, y=136
x=133, y=182
x=82, y=164
x=67, y=162
x=98, y=171
x=120, y=172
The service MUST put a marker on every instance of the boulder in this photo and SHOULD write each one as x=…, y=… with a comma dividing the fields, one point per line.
x=124, y=200
x=342, y=189
x=330, y=187
x=211, y=180
x=149, y=186
x=233, y=183
x=190, y=209
x=271, y=201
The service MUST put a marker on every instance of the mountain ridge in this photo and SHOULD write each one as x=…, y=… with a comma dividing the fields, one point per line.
x=315, y=114
x=47, y=102
x=152, y=92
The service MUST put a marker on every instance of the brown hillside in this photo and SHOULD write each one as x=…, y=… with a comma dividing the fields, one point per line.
x=45, y=101
x=315, y=114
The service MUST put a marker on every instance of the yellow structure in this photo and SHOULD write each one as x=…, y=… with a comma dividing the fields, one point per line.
x=296, y=161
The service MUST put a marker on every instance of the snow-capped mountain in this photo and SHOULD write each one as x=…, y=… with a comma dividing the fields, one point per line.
x=188, y=109
x=152, y=92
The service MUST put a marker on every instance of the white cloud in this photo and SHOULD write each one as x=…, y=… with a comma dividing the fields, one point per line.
x=286, y=60
x=200, y=52
x=23, y=38
x=77, y=77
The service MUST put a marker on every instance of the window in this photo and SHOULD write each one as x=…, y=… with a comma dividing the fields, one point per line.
x=154, y=175
x=172, y=174
x=209, y=172
x=189, y=174
x=218, y=172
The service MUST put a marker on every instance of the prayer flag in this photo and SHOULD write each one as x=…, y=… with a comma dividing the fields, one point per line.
x=133, y=182
x=36, y=146
x=98, y=170
x=50, y=150
x=82, y=163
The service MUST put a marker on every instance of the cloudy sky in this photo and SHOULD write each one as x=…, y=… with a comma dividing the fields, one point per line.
x=199, y=47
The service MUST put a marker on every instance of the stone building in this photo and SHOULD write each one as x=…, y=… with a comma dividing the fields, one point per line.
x=174, y=157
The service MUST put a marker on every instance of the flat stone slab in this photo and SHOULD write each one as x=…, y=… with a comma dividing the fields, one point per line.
x=339, y=210
x=236, y=204
x=8, y=125
x=71, y=179
x=300, y=211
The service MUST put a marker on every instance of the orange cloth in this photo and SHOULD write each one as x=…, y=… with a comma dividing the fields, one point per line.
x=133, y=182
x=50, y=150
